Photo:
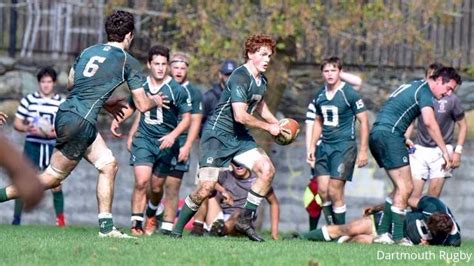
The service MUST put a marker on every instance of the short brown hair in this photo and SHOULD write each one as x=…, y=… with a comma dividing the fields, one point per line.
x=432, y=68
x=257, y=40
x=119, y=24
x=440, y=224
x=334, y=60
x=158, y=50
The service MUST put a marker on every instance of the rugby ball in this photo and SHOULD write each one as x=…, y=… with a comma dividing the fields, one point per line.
x=43, y=125
x=289, y=132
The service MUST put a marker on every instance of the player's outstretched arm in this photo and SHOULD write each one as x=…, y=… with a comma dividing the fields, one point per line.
x=115, y=124
x=433, y=129
x=193, y=133
x=241, y=116
x=354, y=80
x=133, y=130
x=265, y=113
x=144, y=102
x=274, y=213
x=362, y=158
x=315, y=135
x=408, y=135
x=462, y=133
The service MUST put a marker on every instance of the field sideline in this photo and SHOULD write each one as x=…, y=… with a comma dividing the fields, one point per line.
x=80, y=245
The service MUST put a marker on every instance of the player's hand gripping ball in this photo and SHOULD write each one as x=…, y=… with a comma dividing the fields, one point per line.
x=289, y=131
x=43, y=125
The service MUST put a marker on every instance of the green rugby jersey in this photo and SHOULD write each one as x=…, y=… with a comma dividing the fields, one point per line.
x=159, y=121
x=240, y=87
x=338, y=112
x=99, y=70
x=416, y=223
x=403, y=106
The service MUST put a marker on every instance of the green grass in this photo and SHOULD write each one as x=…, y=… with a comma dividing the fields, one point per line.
x=74, y=245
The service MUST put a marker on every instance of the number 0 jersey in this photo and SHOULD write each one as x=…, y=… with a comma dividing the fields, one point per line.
x=159, y=121
x=240, y=87
x=338, y=112
x=98, y=71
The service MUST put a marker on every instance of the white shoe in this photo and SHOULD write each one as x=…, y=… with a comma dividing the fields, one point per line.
x=115, y=233
x=384, y=238
x=404, y=242
x=343, y=239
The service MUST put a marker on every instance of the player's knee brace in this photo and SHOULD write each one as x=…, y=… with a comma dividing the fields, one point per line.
x=56, y=173
x=105, y=159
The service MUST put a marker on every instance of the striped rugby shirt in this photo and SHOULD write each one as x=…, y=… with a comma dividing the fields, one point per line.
x=34, y=106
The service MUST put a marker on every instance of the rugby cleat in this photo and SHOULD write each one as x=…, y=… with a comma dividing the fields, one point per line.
x=245, y=226
x=60, y=220
x=404, y=242
x=16, y=220
x=175, y=235
x=384, y=238
x=115, y=233
x=198, y=229
x=165, y=232
x=150, y=226
x=217, y=228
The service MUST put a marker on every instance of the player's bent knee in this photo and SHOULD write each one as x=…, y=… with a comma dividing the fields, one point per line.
x=59, y=175
x=206, y=189
x=265, y=168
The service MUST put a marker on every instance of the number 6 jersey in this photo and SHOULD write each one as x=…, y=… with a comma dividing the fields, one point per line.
x=98, y=71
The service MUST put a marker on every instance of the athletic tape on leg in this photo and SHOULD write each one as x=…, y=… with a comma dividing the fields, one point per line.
x=209, y=174
x=56, y=173
x=105, y=158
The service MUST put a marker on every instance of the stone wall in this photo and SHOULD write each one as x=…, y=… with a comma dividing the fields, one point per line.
x=369, y=187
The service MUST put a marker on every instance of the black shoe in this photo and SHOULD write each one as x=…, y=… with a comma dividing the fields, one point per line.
x=292, y=236
x=175, y=235
x=245, y=226
x=198, y=229
x=165, y=232
x=249, y=231
x=217, y=228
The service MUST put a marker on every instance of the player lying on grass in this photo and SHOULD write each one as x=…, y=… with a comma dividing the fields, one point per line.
x=231, y=194
x=429, y=223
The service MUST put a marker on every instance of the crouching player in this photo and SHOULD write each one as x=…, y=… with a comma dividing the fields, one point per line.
x=225, y=207
x=429, y=223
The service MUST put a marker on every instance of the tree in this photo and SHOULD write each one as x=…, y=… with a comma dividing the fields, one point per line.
x=360, y=31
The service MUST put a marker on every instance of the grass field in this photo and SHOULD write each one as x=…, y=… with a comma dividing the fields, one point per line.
x=80, y=245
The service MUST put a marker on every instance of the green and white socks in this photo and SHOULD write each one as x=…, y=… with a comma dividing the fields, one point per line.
x=106, y=223
x=398, y=223
x=327, y=211
x=339, y=214
x=187, y=212
x=386, y=222
x=320, y=234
